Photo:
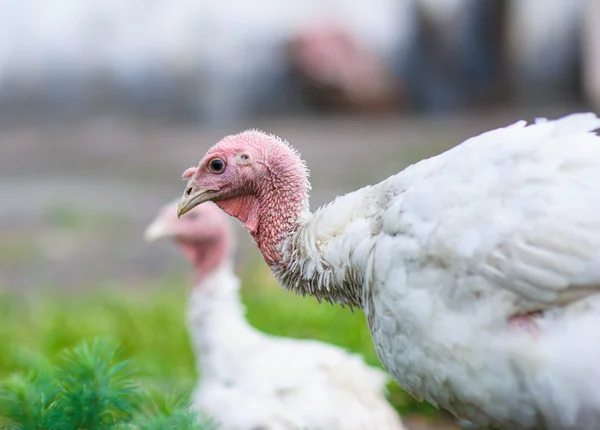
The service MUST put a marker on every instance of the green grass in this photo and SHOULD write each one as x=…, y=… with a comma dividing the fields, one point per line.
x=150, y=326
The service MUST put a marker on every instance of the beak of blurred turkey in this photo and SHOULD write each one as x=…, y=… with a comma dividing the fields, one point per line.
x=159, y=228
x=192, y=198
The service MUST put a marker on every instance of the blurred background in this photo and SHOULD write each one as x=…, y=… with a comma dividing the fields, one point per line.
x=104, y=103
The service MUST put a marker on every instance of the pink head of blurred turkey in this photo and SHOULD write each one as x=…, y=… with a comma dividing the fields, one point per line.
x=204, y=235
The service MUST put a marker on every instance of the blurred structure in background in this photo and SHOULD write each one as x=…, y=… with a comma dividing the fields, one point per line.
x=456, y=56
x=544, y=49
x=591, y=53
x=217, y=61
x=208, y=60
x=336, y=71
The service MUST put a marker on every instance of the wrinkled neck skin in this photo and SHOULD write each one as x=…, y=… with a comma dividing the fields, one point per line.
x=218, y=328
x=272, y=211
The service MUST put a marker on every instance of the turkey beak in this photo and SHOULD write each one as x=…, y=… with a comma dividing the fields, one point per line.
x=192, y=198
x=158, y=229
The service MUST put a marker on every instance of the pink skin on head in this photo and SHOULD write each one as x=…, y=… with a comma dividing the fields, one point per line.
x=189, y=173
x=203, y=234
x=264, y=184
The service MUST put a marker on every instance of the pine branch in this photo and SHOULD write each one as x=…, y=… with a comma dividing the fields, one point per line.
x=30, y=403
x=97, y=389
x=91, y=388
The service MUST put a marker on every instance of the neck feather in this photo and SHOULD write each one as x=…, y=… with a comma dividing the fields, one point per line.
x=306, y=271
x=218, y=328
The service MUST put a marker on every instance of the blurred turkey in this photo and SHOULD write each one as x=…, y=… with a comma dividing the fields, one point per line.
x=251, y=380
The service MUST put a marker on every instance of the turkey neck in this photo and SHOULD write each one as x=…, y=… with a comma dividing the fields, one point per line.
x=216, y=316
x=272, y=211
x=281, y=204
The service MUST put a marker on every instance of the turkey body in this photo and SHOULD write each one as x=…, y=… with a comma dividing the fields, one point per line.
x=445, y=254
x=253, y=381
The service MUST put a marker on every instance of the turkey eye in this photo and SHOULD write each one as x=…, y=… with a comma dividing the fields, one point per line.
x=217, y=165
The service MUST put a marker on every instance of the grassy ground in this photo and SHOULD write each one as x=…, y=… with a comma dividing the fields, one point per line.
x=150, y=324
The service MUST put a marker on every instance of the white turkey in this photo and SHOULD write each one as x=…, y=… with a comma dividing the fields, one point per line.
x=254, y=381
x=478, y=270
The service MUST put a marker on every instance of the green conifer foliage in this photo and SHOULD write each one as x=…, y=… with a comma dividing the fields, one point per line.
x=90, y=387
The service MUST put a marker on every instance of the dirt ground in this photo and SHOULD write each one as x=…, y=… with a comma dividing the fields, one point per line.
x=76, y=197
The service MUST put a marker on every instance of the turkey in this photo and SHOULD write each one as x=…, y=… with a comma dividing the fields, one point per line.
x=251, y=380
x=478, y=270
